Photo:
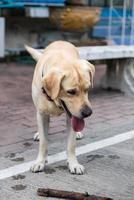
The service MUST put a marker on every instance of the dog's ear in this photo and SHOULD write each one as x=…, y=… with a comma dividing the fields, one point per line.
x=89, y=68
x=52, y=83
x=91, y=72
x=33, y=52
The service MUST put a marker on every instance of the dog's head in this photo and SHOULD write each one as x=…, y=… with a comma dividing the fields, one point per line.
x=68, y=85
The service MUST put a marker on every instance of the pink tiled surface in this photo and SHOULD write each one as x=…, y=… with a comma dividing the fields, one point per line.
x=18, y=116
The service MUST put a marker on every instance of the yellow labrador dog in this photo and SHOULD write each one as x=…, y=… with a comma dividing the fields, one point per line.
x=60, y=84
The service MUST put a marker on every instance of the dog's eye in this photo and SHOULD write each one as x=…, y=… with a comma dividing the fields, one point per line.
x=72, y=92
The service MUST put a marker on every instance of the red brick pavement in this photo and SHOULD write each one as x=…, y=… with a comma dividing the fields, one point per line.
x=18, y=116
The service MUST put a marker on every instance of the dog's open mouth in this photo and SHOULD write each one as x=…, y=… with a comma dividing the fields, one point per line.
x=76, y=123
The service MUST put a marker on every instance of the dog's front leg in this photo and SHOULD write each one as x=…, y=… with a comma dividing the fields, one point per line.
x=43, y=125
x=73, y=164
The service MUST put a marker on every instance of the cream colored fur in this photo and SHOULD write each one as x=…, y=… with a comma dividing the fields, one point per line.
x=58, y=70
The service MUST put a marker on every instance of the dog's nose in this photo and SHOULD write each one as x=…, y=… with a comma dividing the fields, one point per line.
x=86, y=111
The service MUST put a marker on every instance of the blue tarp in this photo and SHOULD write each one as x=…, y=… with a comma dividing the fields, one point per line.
x=116, y=12
x=22, y=3
x=100, y=30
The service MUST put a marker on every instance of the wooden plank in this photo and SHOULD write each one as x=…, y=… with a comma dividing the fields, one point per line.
x=47, y=192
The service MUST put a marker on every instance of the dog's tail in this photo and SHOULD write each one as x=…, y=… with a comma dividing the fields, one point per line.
x=33, y=52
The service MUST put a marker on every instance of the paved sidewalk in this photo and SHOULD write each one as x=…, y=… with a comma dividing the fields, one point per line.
x=18, y=116
x=113, y=114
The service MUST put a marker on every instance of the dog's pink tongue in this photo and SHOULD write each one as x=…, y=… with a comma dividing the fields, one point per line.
x=77, y=124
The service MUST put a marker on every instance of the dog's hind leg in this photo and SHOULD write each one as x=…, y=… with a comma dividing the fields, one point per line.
x=43, y=125
x=73, y=164
x=79, y=136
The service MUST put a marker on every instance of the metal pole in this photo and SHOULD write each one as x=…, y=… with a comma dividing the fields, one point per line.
x=110, y=20
x=132, y=25
x=123, y=22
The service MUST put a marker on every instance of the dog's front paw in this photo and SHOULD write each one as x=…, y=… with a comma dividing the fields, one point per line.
x=79, y=135
x=38, y=167
x=36, y=136
x=76, y=168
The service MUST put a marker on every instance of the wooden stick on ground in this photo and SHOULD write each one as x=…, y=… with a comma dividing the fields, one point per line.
x=68, y=195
